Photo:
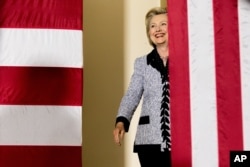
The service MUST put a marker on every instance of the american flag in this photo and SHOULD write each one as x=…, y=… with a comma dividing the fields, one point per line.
x=209, y=43
x=41, y=83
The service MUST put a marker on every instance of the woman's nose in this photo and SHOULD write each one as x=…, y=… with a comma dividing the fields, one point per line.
x=157, y=28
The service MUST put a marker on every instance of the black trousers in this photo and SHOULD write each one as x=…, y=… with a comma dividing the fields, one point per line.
x=155, y=159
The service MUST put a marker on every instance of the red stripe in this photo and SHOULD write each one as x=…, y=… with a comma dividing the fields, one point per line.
x=230, y=135
x=179, y=84
x=60, y=14
x=40, y=156
x=41, y=86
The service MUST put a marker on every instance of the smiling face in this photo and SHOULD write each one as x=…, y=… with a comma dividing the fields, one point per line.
x=158, y=33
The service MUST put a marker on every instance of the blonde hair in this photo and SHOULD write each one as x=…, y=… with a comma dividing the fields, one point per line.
x=152, y=12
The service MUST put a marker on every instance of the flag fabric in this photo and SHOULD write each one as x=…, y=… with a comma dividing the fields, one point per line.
x=41, y=83
x=209, y=46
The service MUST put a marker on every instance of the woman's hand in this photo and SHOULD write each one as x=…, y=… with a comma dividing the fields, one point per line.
x=118, y=133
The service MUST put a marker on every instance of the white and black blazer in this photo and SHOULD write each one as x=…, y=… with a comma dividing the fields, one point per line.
x=149, y=82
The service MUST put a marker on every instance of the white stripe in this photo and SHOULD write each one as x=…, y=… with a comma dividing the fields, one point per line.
x=41, y=47
x=244, y=25
x=202, y=83
x=40, y=125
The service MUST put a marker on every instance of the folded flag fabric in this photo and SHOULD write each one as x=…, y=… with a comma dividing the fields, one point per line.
x=41, y=83
x=209, y=45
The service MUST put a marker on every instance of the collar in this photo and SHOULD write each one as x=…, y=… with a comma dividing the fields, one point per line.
x=153, y=59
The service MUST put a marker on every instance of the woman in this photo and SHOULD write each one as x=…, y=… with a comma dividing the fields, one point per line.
x=150, y=80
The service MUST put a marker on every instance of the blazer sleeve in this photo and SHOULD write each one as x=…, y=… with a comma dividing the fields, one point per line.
x=133, y=95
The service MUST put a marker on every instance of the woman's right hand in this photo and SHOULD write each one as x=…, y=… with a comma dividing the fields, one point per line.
x=118, y=133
